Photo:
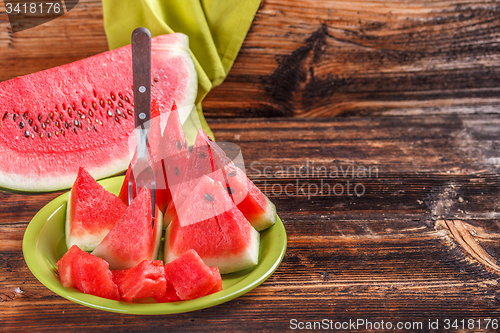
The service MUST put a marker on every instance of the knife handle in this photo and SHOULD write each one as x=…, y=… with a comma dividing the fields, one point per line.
x=141, y=66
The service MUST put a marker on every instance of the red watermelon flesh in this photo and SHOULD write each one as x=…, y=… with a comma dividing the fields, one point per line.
x=133, y=238
x=255, y=205
x=175, y=153
x=218, y=277
x=199, y=165
x=81, y=114
x=64, y=267
x=190, y=276
x=91, y=212
x=147, y=279
x=92, y=275
x=227, y=240
x=170, y=295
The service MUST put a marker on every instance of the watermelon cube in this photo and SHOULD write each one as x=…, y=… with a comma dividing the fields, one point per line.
x=190, y=277
x=91, y=212
x=147, y=279
x=88, y=273
x=64, y=267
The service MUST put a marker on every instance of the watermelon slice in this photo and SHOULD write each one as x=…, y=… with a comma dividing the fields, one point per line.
x=91, y=212
x=64, y=267
x=88, y=273
x=133, y=238
x=190, y=277
x=81, y=114
x=147, y=279
x=198, y=165
x=255, y=205
x=214, y=228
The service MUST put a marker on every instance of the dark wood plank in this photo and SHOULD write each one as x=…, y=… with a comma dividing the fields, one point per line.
x=384, y=255
x=318, y=58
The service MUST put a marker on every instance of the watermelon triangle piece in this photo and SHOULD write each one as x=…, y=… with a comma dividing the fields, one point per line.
x=133, y=238
x=255, y=205
x=147, y=279
x=226, y=240
x=91, y=212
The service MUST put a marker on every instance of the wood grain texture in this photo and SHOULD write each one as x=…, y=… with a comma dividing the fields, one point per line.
x=318, y=58
x=386, y=254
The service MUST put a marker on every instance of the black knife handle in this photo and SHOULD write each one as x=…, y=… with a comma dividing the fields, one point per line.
x=141, y=65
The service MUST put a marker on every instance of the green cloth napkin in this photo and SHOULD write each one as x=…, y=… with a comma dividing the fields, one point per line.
x=216, y=30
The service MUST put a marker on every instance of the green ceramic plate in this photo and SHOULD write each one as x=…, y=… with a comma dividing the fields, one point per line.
x=44, y=245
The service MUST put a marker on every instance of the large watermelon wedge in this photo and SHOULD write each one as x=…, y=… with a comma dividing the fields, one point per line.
x=81, y=114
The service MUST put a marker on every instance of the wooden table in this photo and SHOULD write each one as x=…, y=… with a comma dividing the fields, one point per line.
x=410, y=238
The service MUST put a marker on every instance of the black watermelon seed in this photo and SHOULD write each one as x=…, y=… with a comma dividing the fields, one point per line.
x=120, y=95
x=43, y=125
x=5, y=115
x=202, y=154
x=208, y=197
x=118, y=112
x=230, y=190
x=129, y=111
x=73, y=106
x=233, y=173
x=57, y=123
x=77, y=123
x=124, y=116
x=62, y=131
x=176, y=171
x=126, y=99
x=21, y=125
x=66, y=124
x=74, y=129
x=113, y=97
x=49, y=135
x=35, y=128
x=116, y=119
x=120, y=104
x=14, y=117
x=61, y=116
x=25, y=115
x=91, y=113
x=178, y=144
x=39, y=117
x=95, y=128
x=110, y=114
x=30, y=121
x=27, y=134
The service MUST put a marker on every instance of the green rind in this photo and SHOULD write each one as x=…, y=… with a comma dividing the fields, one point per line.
x=44, y=244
